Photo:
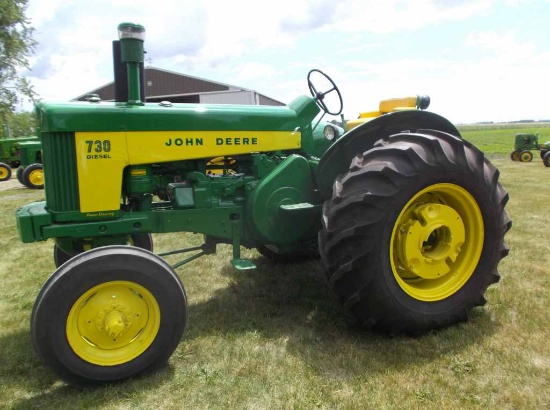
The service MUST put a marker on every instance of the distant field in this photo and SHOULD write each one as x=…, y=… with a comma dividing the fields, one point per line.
x=498, y=139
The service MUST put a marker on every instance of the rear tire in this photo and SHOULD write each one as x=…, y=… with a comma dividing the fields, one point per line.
x=5, y=172
x=109, y=314
x=139, y=240
x=414, y=232
x=546, y=159
x=274, y=255
x=514, y=156
x=33, y=176
x=19, y=174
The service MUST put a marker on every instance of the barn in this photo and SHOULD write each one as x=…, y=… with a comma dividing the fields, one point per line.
x=165, y=85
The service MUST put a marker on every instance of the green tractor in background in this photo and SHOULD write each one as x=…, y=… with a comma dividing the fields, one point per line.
x=524, y=144
x=406, y=217
x=30, y=172
x=9, y=155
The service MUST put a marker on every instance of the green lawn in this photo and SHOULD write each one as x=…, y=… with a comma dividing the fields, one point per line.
x=499, y=139
x=276, y=338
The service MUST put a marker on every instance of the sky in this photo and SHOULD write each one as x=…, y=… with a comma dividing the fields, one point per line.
x=482, y=60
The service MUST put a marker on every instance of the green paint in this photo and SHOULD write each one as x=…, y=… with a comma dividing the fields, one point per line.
x=250, y=200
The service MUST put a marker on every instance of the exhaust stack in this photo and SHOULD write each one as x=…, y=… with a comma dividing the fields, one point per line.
x=131, y=37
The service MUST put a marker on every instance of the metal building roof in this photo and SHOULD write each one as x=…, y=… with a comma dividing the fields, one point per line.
x=163, y=84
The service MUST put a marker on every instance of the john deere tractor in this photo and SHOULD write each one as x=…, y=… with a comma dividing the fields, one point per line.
x=524, y=144
x=10, y=156
x=30, y=172
x=407, y=218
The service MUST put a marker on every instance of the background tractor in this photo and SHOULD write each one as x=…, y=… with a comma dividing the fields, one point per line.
x=524, y=144
x=30, y=172
x=407, y=218
x=9, y=155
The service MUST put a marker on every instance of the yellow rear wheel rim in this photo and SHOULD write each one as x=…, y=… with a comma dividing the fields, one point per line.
x=436, y=242
x=113, y=323
x=3, y=172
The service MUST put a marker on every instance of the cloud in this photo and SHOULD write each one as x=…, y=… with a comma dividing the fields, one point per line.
x=308, y=16
x=372, y=49
x=502, y=44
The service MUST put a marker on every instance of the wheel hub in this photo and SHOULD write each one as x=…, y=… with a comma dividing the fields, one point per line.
x=436, y=242
x=108, y=321
x=430, y=240
x=36, y=177
x=112, y=323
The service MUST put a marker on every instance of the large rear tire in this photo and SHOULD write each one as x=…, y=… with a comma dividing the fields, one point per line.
x=414, y=232
x=108, y=314
x=546, y=159
x=275, y=255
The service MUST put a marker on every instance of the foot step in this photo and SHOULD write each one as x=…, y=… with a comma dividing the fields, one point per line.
x=243, y=264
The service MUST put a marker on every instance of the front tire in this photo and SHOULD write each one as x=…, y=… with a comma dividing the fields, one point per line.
x=33, y=176
x=19, y=174
x=109, y=314
x=546, y=159
x=514, y=156
x=526, y=156
x=414, y=232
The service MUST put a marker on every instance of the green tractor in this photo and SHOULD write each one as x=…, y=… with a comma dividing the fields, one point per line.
x=524, y=144
x=406, y=217
x=30, y=172
x=9, y=155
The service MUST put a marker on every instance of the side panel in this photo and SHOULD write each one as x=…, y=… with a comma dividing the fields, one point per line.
x=102, y=156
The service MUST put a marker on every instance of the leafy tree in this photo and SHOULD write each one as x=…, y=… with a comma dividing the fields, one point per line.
x=22, y=124
x=16, y=44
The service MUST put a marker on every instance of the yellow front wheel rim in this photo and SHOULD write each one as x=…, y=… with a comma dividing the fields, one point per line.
x=113, y=323
x=526, y=156
x=436, y=242
x=36, y=177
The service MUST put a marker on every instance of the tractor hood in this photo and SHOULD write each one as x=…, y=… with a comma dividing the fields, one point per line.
x=109, y=116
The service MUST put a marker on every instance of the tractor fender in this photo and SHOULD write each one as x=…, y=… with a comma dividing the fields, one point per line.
x=338, y=157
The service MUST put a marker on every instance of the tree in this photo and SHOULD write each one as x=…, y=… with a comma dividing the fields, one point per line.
x=16, y=44
x=22, y=124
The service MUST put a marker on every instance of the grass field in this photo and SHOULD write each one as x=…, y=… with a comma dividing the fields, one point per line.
x=498, y=139
x=276, y=338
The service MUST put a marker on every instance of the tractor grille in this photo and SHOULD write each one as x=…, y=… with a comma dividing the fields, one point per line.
x=60, y=172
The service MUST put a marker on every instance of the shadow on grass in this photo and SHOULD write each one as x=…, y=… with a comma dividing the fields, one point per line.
x=294, y=303
x=290, y=302
x=22, y=374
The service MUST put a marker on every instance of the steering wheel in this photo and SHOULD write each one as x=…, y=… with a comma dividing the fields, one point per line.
x=319, y=96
